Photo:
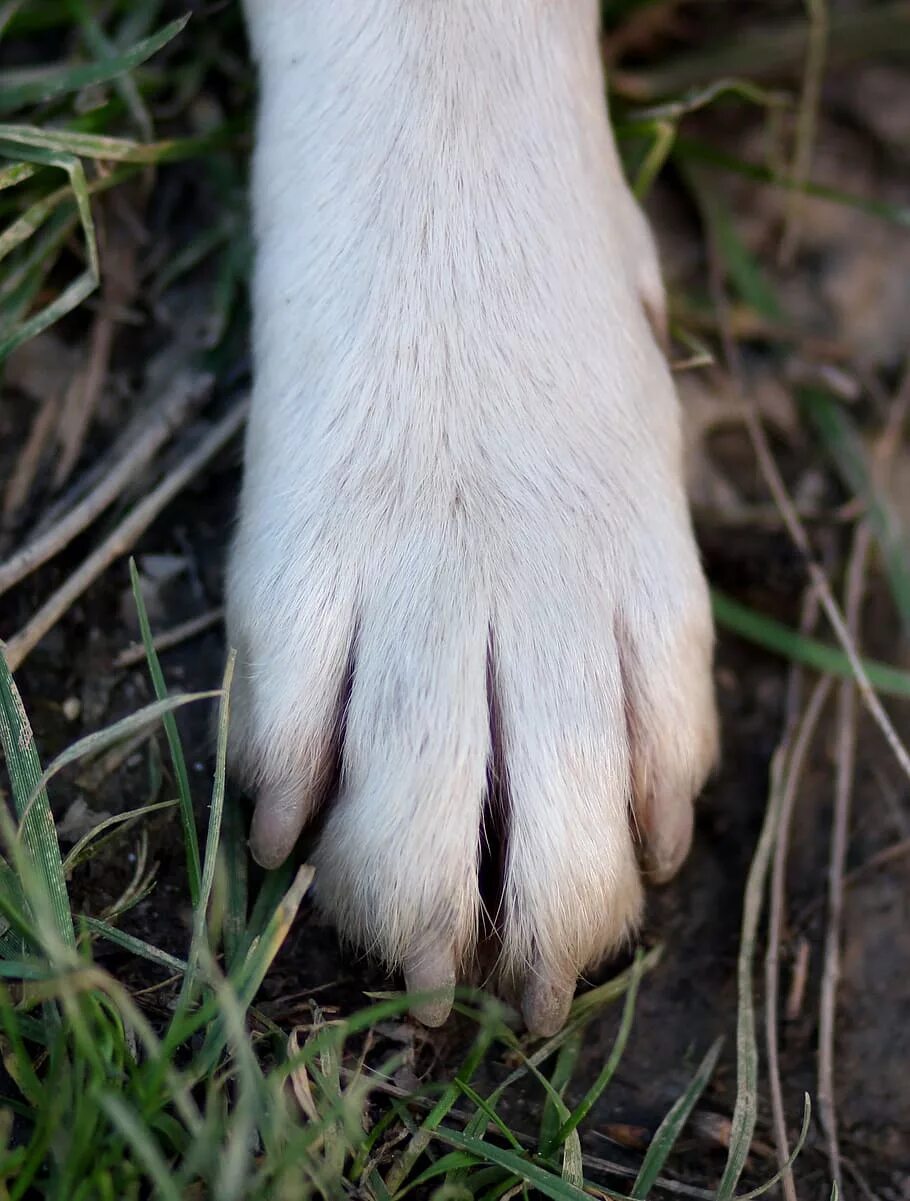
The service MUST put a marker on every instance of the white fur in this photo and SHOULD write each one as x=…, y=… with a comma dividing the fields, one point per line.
x=464, y=447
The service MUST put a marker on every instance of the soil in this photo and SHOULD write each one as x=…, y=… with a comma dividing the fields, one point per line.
x=849, y=286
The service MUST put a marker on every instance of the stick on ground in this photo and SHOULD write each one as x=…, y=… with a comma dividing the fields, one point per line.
x=124, y=537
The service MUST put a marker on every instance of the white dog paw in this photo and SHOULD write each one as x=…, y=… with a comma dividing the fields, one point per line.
x=464, y=589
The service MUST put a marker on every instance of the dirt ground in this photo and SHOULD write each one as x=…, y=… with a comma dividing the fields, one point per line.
x=846, y=297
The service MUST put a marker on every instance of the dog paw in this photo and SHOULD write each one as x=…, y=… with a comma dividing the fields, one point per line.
x=470, y=617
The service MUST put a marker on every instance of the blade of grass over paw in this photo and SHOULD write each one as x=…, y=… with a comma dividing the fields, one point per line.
x=774, y=636
x=843, y=442
x=605, y=1075
x=190, y=838
x=38, y=832
x=670, y=1128
x=57, y=81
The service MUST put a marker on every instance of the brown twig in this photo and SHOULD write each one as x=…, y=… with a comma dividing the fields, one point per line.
x=798, y=980
x=846, y=762
x=118, y=283
x=134, y=450
x=29, y=458
x=171, y=638
x=124, y=536
x=892, y=854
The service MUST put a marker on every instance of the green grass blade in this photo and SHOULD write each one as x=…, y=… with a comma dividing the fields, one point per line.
x=537, y=1177
x=701, y=97
x=670, y=1128
x=251, y=972
x=237, y=863
x=583, y=1010
x=419, y=1142
x=129, y=1124
x=136, y=946
x=555, y=1110
x=743, y=268
x=774, y=636
x=104, y=50
x=695, y=151
x=791, y=1160
x=26, y=141
x=271, y=894
x=84, y=848
x=26, y=1078
x=452, y=1161
x=70, y=298
x=200, y=940
x=57, y=81
x=213, y=834
x=572, y=1163
x=84, y=284
x=120, y=731
x=745, y=1109
x=37, y=829
x=657, y=154
x=190, y=837
x=17, y=173
x=487, y=1111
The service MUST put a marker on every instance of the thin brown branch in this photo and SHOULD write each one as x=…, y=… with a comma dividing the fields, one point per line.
x=798, y=980
x=840, y=832
x=118, y=284
x=893, y=854
x=123, y=538
x=170, y=638
x=796, y=761
x=29, y=458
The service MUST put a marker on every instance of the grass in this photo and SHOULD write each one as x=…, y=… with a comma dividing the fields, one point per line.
x=96, y=1099
x=99, y=1103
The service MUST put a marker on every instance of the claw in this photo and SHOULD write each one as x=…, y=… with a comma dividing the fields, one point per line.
x=277, y=821
x=431, y=971
x=547, y=997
